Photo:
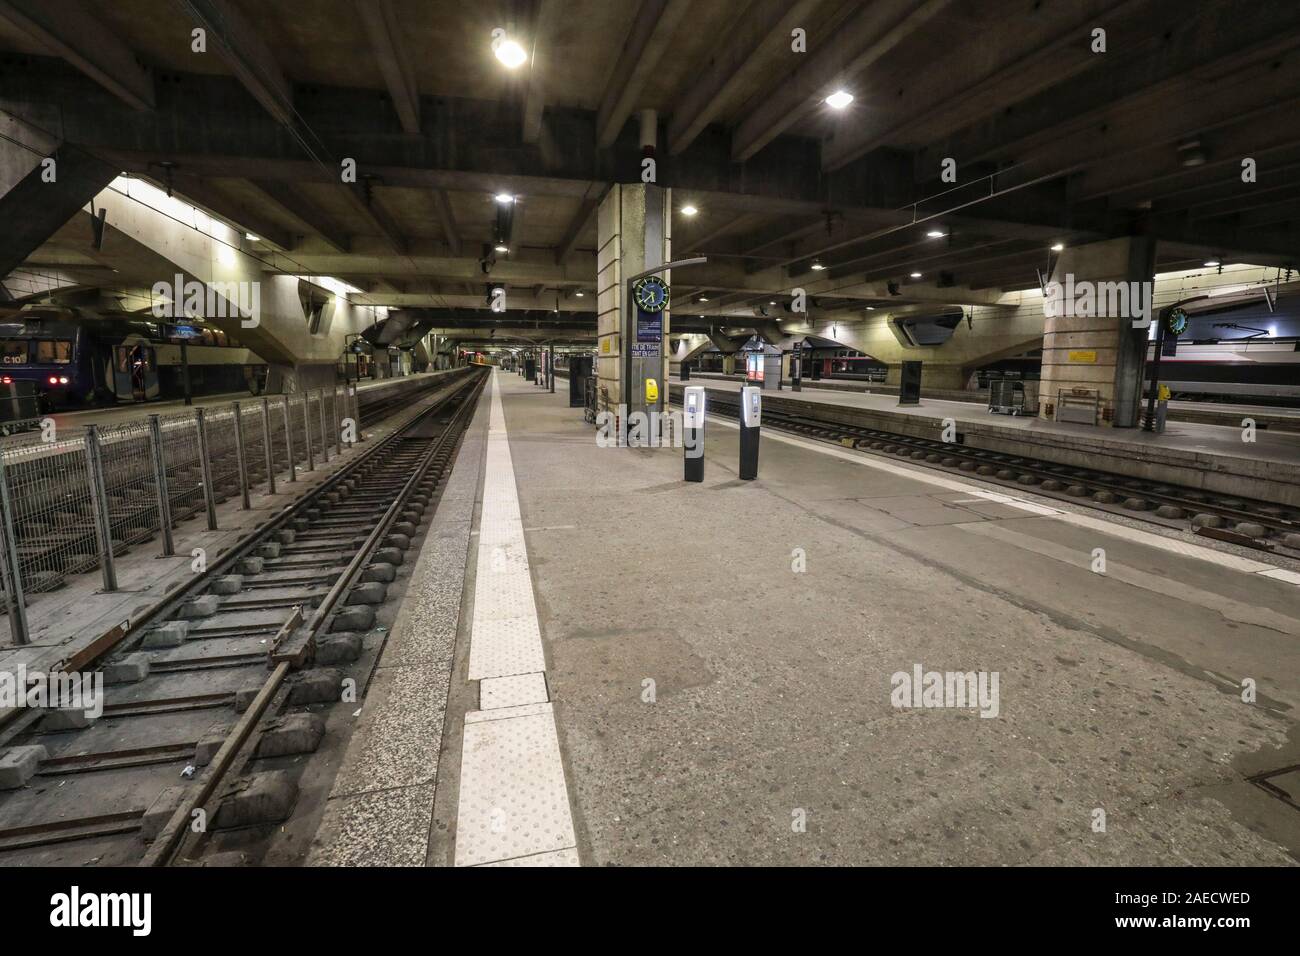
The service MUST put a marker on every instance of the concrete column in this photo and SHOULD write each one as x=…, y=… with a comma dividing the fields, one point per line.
x=1096, y=294
x=634, y=225
x=729, y=362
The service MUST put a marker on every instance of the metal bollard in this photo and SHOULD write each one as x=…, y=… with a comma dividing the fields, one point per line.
x=288, y=441
x=99, y=506
x=337, y=415
x=267, y=447
x=160, y=484
x=306, y=431
x=239, y=456
x=324, y=441
x=13, y=579
x=205, y=469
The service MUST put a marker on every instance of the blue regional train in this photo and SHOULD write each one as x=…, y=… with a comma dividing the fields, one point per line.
x=75, y=360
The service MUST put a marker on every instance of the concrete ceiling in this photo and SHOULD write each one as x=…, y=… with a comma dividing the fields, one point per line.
x=1053, y=142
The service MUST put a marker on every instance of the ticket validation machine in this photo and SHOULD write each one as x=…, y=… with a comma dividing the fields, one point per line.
x=693, y=431
x=751, y=416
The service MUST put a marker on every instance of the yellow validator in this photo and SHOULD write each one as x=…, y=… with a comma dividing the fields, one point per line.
x=651, y=391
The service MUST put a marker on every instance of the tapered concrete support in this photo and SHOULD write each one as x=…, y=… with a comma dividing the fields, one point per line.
x=38, y=197
x=1095, y=327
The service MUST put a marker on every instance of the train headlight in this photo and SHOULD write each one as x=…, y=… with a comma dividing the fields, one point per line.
x=63, y=380
x=54, y=380
x=6, y=380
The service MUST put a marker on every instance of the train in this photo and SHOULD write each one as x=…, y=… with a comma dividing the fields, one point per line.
x=76, y=359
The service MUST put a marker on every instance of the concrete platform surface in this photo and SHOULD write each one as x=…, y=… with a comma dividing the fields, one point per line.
x=727, y=663
x=1205, y=457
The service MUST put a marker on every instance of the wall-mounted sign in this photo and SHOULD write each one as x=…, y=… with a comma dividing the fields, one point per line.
x=1083, y=355
x=604, y=345
x=650, y=294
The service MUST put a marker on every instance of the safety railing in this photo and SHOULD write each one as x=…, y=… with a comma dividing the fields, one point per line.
x=74, y=504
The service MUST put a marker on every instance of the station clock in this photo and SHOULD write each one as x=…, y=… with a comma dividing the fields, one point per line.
x=1176, y=322
x=651, y=294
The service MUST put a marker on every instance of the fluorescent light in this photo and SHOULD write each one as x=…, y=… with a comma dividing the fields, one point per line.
x=839, y=99
x=502, y=248
x=935, y=234
x=916, y=275
x=818, y=265
x=1211, y=263
x=251, y=238
x=504, y=198
x=1058, y=247
x=704, y=298
x=511, y=54
x=579, y=294
x=689, y=210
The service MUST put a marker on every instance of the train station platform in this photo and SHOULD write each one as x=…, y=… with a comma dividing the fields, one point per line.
x=648, y=671
x=132, y=412
x=1267, y=417
x=1190, y=454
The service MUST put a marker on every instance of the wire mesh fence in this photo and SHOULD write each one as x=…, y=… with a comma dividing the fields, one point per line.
x=70, y=506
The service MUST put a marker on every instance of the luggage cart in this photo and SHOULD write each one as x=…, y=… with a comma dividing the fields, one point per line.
x=1008, y=397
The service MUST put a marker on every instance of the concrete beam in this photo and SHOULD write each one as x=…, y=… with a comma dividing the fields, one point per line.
x=546, y=18
x=361, y=198
x=384, y=29
x=442, y=206
x=863, y=39
x=655, y=23
x=290, y=200
x=586, y=209
x=222, y=206
x=70, y=30
x=734, y=67
x=241, y=46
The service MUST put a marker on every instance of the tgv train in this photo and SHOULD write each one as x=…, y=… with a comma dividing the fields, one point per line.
x=1240, y=346
x=75, y=360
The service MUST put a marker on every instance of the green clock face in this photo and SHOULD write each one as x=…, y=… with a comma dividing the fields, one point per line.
x=1176, y=322
x=651, y=294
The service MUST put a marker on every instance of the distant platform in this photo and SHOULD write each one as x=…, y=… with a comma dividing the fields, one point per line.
x=135, y=411
x=1191, y=454
x=1267, y=417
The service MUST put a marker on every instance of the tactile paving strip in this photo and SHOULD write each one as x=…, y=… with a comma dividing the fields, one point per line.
x=513, y=800
x=514, y=805
x=511, y=691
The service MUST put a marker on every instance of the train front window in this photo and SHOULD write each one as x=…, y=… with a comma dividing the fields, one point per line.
x=13, y=352
x=53, y=352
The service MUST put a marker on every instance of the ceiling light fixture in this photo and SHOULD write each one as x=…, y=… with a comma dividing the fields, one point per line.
x=1211, y=263
x=817, y=265
x=935, y=234
x=916, y=275
x=504, y=199
x=511, y=54
x=689, y=210
x=501, y=247
x=1058, y=247
x=839, y=99
x=579, y=294
x=251, y=238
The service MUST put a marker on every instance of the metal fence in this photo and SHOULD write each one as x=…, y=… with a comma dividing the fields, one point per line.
x=72, y=505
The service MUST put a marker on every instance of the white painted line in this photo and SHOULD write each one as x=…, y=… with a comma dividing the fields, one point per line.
x=1136, y=535
x=496, y=692
x=514, y=802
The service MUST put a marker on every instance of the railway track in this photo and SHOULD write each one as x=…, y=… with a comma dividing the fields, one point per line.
x=217, y=699
x=1256, y=524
